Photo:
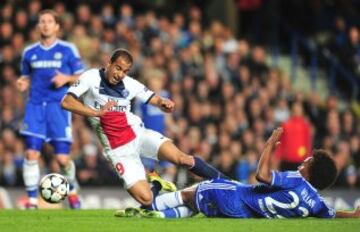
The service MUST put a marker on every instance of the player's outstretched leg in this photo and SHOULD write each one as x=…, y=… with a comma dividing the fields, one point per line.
x=168, y=151
x=31, y=175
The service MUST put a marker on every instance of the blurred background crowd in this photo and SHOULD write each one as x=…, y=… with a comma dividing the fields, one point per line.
x=229, y=92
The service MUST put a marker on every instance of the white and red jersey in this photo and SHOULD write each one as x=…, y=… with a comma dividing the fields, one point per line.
x=115, y=128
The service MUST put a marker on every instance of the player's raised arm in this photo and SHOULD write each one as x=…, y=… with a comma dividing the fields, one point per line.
x=72, y=104
x=164, y=104
x=263, y=172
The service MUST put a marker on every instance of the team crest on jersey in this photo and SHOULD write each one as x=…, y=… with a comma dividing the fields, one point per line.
x=76, y=83
x=58, y=55
x=125, y=93
x=33, y=57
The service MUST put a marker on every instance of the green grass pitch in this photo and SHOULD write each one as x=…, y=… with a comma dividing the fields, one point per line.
x=103, y=220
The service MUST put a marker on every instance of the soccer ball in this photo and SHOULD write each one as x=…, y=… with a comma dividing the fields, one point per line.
x=54, y=188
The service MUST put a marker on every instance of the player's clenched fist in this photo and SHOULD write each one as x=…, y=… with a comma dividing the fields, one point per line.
x=167, y=105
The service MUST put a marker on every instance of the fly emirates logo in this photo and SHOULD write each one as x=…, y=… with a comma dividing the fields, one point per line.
x=117, y=108
x=46, y=64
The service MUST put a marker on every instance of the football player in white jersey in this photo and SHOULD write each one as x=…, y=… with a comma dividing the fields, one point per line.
x=105, y=97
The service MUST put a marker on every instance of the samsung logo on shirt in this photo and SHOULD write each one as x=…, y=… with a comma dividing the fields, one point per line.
x=46, y=64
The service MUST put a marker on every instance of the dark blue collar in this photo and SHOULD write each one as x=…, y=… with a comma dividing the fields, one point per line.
x=117, y=90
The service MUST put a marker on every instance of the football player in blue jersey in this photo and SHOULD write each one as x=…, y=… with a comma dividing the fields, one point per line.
x=288, y=194
x=47, y=68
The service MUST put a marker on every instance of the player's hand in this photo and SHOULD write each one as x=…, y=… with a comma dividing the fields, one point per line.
x=22, y=84
x=105, y=108
x=167, y=105
x=60, y=79
x=275, y=137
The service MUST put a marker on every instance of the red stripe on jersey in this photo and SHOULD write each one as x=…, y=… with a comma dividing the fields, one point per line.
x=117, y=129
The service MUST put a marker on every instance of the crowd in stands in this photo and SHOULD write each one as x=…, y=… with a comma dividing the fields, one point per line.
x=228, y=99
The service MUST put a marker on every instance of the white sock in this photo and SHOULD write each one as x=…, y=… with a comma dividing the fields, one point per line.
x=31, y=174
x=69, y=172
x=167, y=200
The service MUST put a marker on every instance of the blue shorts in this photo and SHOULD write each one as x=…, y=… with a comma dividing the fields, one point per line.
x=47, y=122
x=220, y=198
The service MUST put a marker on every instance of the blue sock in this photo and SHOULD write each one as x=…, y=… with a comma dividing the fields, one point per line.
x=178, y=212
x=71, y=187
x=155, y=189
x=33, y=193
x=205, y=170
x=171, y=213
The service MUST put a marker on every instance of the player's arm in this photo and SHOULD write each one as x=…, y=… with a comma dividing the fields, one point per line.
x=71, y=103
x=164, y=104
x=347, y=214
x=263, y=172
x=60, y=79
x=23, y=83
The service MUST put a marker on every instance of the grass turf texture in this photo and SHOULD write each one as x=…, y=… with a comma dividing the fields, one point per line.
x=103, y=220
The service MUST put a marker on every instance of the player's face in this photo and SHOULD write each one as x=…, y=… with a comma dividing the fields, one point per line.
x=48, y=26
x=305, y=164
x=116, y=71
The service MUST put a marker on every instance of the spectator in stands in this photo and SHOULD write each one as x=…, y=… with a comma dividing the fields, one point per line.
x=296, y=141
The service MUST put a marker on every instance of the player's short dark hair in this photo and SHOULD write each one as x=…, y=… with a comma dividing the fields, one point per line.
x=322, y=170
x=121, y=53
x=53, y=13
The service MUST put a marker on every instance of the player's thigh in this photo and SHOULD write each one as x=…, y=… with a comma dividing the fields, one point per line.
x=58, y=123
x=127, y=164
x=150, y=143
x=34, y=123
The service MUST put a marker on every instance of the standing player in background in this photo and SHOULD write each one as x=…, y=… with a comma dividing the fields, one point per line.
x=296, y=141
x=155, y=119
x=105, y=97
x=47, y=68
x=289, y=194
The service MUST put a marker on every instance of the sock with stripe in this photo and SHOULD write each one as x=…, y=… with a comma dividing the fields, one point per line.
x=31, y=175
x=205, y=170
x=177, y=212
x=167, y=201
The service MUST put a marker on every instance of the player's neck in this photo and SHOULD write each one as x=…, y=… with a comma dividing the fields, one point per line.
x=304, y=173
x=47, y=42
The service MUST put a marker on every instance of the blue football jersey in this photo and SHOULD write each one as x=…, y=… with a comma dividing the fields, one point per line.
x=40, y=64
x=289, y=195
x=152, y=116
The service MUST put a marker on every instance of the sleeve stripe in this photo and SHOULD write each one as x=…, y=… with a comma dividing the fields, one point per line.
x=272, y=177
x=147, y=101
x=73, y=94
x=79, y=71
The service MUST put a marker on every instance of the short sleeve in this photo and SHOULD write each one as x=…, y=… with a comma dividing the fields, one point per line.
x=76, y=65
x=142, y=92
x=81, y=85
x=25, y=65
x=285, y=180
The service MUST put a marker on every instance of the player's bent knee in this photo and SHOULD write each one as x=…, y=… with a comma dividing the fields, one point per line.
x=32, y=155
x=62, y=160
x=141, y=192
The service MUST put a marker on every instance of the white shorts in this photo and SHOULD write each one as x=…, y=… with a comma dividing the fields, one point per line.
x=126, y=158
